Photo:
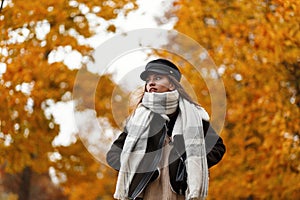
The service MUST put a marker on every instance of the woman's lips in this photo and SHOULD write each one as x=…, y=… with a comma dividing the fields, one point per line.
x=152, y=90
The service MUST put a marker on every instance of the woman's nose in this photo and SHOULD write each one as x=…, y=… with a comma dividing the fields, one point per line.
x=151, y=82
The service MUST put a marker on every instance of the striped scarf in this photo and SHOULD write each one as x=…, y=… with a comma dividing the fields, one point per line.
x=162, y=103
x=188, y=124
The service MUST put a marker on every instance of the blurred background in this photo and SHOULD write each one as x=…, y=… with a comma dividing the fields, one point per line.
x=52, y=142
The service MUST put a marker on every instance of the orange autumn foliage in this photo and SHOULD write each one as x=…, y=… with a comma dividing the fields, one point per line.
x=31, y=31
x=255, y=45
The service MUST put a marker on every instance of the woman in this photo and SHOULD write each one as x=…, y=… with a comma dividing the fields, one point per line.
x=167, y=145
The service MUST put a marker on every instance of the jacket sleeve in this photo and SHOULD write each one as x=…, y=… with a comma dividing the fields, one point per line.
x=215, y=147
x=114, y=153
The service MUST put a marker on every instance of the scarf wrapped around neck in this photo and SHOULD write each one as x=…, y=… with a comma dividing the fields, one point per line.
x=188, y=124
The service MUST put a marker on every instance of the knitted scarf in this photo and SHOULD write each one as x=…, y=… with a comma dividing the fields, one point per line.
x=188, y=124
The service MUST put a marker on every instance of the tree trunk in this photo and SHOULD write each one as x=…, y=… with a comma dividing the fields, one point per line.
x=24, y=190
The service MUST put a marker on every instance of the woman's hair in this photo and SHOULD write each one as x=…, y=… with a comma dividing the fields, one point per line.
x=181, y=90
x=178, y=87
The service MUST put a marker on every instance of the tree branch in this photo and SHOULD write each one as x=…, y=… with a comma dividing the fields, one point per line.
x=2, y=2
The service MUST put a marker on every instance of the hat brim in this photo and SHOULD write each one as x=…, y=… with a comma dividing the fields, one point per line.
x=144, y=74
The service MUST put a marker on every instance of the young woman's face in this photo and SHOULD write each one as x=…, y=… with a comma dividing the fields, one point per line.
x=158, y=83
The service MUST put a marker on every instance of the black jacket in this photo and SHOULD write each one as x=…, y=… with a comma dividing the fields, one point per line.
x=147, y=170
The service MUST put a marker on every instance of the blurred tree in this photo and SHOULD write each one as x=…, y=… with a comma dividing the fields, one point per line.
x=255, y=45
x=36, y=37
x=41, y=187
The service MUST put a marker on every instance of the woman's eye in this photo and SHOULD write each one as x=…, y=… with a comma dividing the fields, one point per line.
x=157, y=78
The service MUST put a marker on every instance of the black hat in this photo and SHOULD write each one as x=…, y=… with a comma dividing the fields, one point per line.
x=161, y=66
